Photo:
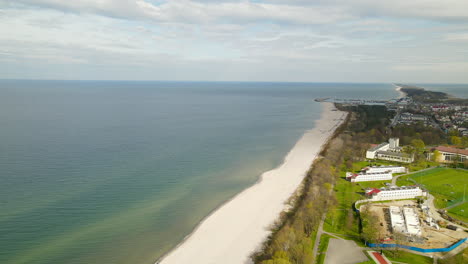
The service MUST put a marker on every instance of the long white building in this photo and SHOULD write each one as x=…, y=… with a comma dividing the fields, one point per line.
x=391, y=169
x=376, y=176
x=394, y=193
x=374, y=173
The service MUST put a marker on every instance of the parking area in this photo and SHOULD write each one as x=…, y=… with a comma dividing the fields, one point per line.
x=342, y=251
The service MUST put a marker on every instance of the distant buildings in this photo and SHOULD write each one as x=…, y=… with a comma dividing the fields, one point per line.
x=376, y=173
x=449, y=154
x=394, y=193
x=390, y=151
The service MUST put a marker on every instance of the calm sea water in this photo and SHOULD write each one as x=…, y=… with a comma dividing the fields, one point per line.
x=119, y=172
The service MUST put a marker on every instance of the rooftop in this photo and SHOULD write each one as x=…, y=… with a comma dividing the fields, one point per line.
x=452, y=150
x=378, y=146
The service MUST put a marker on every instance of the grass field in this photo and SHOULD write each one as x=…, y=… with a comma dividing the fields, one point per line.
x=446, y=184
x=322, y=249
x=406, y=257
x=341, y=218
x=460, y=212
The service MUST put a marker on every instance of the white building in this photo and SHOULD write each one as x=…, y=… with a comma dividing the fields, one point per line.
x=389, y=151
x=411, y=221
x=396, y=219
x=395, y=156
x=449, y=154
x=405, y=221
x=392, y=169
x=394, y=193
x=371, y=153
x=375, y=176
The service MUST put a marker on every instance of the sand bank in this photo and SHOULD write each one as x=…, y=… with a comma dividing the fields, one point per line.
x=398, y=89
x=234, y=231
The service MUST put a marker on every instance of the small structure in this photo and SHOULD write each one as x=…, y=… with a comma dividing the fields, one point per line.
x=394, y=193
x=389, y=151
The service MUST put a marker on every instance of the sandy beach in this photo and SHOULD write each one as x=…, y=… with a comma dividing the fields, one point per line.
x=398, y=89
x=236, y=229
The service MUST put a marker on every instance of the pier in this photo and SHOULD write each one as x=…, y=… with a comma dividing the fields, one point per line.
x=352, y=101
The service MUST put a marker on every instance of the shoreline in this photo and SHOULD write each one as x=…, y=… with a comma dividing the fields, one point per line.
x=238, y=227
x=398, y=89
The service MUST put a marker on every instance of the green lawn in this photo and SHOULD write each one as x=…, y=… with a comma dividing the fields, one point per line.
x=446, y=184
x=403, y=256
x=341, y=218
x=460, y=212
x=322, y=249
x=372, y=184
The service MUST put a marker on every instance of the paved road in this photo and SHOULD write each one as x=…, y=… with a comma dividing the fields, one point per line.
x=436, y=215
x=319, y=234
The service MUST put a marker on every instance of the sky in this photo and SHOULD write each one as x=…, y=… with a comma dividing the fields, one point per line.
x=418, y=41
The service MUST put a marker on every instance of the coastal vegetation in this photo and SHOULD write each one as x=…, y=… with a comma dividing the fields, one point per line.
x=294, y=233
x=326, y=191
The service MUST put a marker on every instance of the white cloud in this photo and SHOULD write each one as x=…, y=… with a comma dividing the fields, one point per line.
x=234, y=40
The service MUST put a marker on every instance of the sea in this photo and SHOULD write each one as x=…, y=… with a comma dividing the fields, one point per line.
x=121, y=171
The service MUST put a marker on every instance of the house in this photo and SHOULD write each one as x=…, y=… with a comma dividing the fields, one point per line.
x=394, y=193
x=390, y=151
x=450, y=154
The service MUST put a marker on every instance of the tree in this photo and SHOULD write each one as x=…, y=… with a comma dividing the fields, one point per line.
x=370, y=226
x=436, y=156
x=464, y=142
x=418, y=145
x=455, y=140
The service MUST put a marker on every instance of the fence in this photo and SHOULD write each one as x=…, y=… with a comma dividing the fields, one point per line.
x=422, y=250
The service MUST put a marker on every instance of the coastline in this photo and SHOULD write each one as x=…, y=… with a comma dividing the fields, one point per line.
x=233, y=231
x=398, y=89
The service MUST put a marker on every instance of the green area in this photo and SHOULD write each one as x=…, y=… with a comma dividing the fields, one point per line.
x=461, y=257
x=446, y=184
x=460, y=212
x=403, y=256
x=341, y=218
x=322, y=249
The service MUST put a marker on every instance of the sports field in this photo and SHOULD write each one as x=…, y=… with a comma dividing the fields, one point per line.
x=460, y=211
x=446, y=184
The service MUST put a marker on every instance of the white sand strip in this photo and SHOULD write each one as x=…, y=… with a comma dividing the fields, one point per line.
x=398, y=89
x=234, y=231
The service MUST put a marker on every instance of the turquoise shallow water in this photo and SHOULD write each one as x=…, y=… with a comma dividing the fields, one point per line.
x=120, y=172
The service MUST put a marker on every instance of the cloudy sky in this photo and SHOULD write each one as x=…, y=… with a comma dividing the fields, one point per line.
x=276, y=40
